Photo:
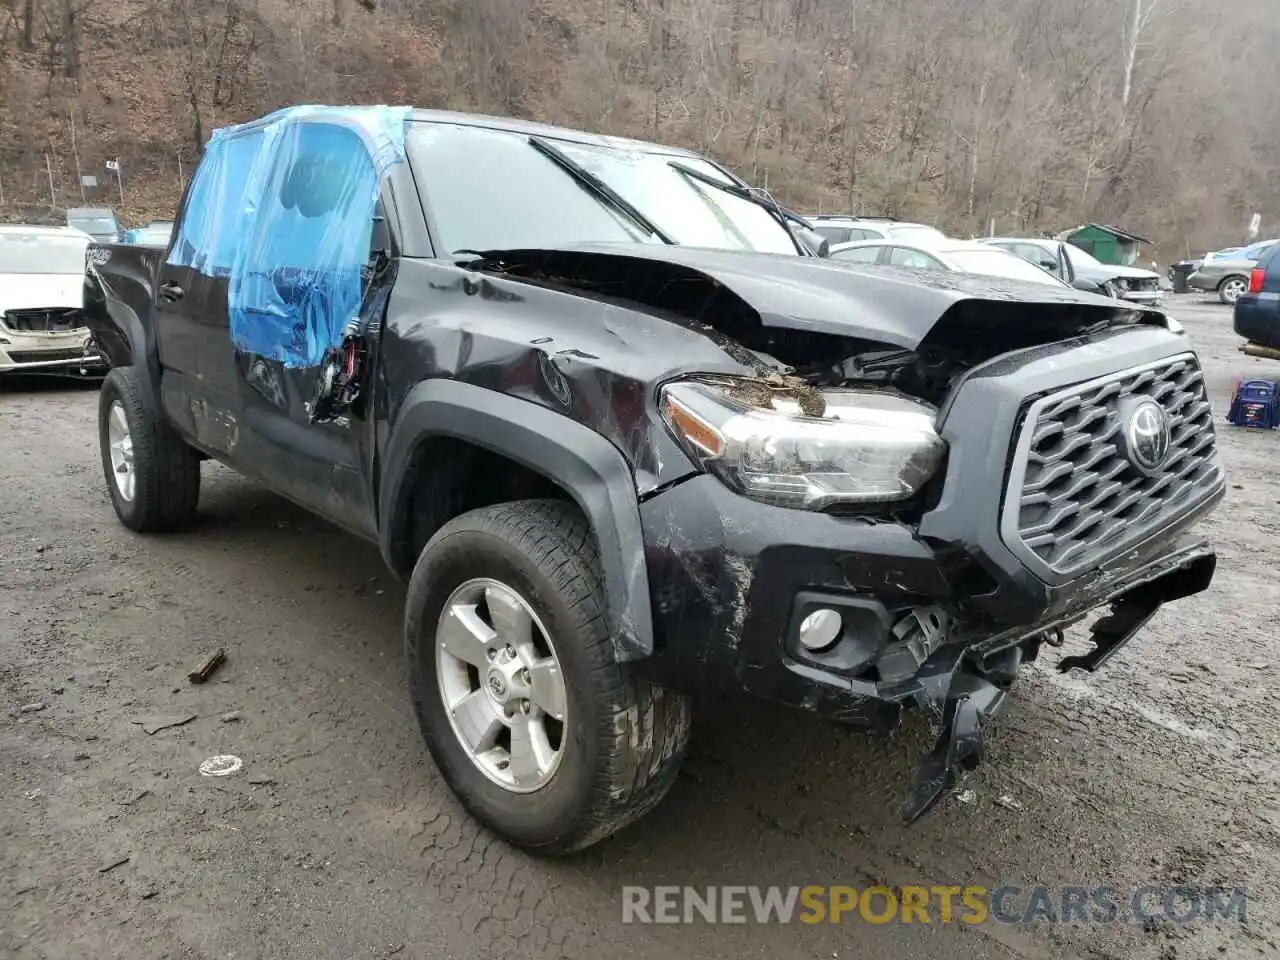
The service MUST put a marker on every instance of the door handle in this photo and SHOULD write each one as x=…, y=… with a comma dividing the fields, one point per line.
x=171, y=292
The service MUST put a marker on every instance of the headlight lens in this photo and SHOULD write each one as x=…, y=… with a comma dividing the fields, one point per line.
x=867, y=446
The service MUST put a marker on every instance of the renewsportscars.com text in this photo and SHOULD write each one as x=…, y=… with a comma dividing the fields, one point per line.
x=1007, y=904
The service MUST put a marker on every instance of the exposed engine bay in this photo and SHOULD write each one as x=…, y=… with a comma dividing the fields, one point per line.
x=789, y=358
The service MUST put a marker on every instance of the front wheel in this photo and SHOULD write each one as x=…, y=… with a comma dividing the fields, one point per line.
x=1231, y=290
x=153, y=477
x=535, y=726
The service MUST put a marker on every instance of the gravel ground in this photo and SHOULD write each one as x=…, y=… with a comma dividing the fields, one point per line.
x=338, y=839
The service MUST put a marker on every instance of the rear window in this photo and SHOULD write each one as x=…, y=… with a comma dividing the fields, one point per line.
x=1270, y=256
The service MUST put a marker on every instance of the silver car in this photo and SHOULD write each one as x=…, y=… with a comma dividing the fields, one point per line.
x=41, y=296
x=1228, y=277
x=957, y=256
x=851, y=229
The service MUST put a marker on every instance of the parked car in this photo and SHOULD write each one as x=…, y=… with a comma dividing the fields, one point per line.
x=958, y=256
x=1226, y=253
x=155, y=234
x=99, y=222
x=630, y=440
x=848, y=229
x=1257, y=310
x=1086, y=271
x=1228, y=277
x=41, y=294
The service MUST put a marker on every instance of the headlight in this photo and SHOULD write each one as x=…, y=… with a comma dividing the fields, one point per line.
x=808, y=449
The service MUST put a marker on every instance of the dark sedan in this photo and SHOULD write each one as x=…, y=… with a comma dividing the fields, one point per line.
x=1257, y=311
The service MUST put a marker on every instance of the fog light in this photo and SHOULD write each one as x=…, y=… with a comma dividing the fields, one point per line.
x=820, y=630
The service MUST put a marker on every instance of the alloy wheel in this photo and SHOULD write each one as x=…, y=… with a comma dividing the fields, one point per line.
x=502, y=684
x=120, y=445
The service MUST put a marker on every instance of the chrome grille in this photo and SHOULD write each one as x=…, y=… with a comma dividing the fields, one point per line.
x=1074, y=498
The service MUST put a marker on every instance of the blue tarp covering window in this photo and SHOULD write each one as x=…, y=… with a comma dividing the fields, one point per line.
x=283, y=209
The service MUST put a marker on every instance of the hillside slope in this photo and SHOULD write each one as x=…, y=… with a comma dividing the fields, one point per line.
x=1034, y=114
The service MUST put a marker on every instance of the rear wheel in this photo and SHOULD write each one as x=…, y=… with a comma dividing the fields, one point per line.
x=540, y=732
x=153, y=477
x=1230, y=290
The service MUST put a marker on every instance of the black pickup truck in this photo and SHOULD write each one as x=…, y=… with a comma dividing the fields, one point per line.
x=631, y=438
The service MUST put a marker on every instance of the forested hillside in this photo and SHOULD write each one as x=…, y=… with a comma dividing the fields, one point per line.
x=1160, y=115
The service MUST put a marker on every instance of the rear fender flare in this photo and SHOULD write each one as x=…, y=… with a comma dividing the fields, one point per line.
x=135, y=337
x=581, y=462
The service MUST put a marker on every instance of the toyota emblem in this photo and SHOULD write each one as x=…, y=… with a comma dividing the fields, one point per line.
x=1146, y=434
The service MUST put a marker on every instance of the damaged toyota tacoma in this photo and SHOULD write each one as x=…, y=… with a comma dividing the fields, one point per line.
x=631, y=438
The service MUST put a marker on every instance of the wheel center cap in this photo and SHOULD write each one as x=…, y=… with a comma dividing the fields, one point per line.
x=497, y=685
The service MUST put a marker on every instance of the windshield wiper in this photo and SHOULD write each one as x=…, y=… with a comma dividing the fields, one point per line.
x=761, y=198
x=597, y=187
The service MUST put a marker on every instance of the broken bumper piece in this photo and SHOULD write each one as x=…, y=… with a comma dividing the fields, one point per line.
x=733, y=584
x=964, y=695
x=964, y=699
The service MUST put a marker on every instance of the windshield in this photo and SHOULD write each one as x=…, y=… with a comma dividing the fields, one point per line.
x=997, y=263
x=92, y=224
x=916, y=231
x=491, y=190
x=36, y=253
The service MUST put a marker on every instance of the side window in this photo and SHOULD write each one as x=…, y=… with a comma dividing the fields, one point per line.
x=859, y=254
x=834, y=234
x=297, y=279
x=1037, y=255
x=215, y=208
x=915, y=259
x=862, y=235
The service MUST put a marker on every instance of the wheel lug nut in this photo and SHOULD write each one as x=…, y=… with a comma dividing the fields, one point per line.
x=525, y=676
x=493, y=654
x=525, y=706
x=511, y=651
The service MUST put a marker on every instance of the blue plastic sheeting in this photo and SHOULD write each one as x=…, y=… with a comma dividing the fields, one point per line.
x=283, y=209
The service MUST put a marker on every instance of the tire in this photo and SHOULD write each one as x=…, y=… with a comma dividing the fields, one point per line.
x=622, y=738
x=1230, y=289
x=165, y=471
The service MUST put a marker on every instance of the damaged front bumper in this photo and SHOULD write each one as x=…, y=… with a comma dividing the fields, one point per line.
x=859, y=618
x=70, y=352
x=733, y=581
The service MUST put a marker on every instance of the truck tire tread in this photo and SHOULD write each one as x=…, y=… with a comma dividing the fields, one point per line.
x=641, y=728
x=168, y=470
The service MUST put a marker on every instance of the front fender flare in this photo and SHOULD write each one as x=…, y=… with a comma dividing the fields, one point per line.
x=580, y=461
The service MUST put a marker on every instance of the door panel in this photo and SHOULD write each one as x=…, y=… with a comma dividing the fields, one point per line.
x=301, y=282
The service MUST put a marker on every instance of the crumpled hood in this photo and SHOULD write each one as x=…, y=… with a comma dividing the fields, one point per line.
x=1133, y=273
x=885, y=304
x=25, y=291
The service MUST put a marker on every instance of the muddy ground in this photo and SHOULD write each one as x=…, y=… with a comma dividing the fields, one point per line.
x=338, y=839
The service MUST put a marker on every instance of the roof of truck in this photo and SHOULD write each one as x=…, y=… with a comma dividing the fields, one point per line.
x=524, y=127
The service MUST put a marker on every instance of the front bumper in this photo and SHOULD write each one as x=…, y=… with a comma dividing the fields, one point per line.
x=1149, y=297
x=936, y=616
x=71, y=352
